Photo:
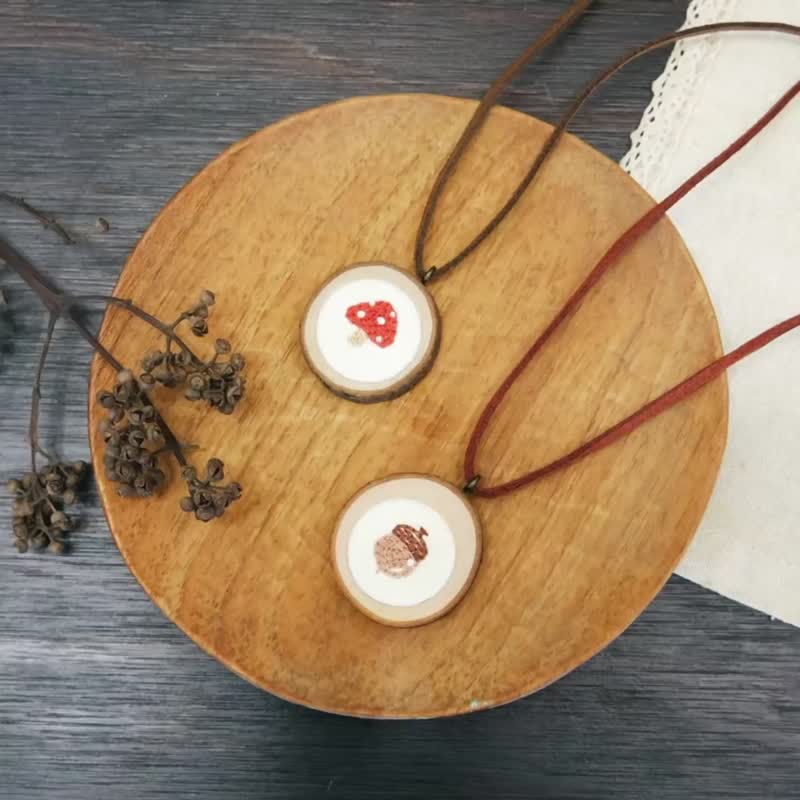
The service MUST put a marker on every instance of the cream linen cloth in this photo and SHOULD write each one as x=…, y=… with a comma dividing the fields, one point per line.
x=742, y=226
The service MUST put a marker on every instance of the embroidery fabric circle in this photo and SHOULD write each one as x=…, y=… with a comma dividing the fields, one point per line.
x=371, y=332
x=382, y=564
x=406, y=549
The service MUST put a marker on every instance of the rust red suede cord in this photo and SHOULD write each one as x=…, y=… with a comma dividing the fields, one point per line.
x=671, y=397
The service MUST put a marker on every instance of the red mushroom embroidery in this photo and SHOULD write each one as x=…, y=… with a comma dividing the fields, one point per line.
x=377, y=320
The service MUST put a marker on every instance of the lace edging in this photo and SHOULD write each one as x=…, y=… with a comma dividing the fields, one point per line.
x=673, y=93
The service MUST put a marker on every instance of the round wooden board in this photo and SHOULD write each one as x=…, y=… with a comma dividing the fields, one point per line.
x=568, y=563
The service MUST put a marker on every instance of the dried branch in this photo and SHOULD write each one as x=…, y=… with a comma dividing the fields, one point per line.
x=60, y=305
x=134, y=431
x=46, y=220
x=129, y=305
x=33, y=430
x=171, y=442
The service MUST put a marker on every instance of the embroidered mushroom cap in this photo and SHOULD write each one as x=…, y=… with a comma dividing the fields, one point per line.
x=378, y=320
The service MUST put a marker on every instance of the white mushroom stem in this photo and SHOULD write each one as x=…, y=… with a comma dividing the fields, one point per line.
x=357, y=337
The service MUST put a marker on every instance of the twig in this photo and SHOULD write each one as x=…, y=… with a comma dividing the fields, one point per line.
x=45, y=289
x=170, y=441
x=46, y=220
x=130, y=306
x=59, y=305
x=33, y=430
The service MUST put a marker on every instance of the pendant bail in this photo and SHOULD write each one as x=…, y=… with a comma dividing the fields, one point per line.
x=471, y=485
x=428, y=276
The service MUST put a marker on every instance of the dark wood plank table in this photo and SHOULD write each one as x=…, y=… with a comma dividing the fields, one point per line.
x=108, y=107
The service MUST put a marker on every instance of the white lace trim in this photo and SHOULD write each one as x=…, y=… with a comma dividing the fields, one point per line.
x=673, y=97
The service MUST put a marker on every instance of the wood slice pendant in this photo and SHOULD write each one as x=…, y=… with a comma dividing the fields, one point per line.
x=406, y=549
x=371, y=332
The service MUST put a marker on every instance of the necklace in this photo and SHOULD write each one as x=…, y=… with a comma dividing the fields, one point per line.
x=406, y=547
x=372, y=331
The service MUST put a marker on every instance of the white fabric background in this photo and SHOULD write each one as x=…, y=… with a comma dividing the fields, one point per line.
x=742, y=226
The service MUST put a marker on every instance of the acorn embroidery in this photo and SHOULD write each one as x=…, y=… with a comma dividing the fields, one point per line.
x=398, y=553
x=376, y=321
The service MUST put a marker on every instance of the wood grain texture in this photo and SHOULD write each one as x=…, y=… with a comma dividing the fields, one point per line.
x=110, y=107
x=569, y=562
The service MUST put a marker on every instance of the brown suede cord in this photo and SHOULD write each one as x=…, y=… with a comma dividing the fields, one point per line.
x=428, y=274
x=565, y=21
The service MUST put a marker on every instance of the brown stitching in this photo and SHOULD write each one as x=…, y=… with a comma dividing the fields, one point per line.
x=398, y=553
x=413, y=540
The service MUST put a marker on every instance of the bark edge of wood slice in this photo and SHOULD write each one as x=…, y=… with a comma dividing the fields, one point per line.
x=360, y=388
x=568, y=563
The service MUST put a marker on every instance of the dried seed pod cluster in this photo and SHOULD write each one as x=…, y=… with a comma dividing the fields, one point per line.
x=134, y=432
x=209, y=498
x=40, y=521
x=133, y=438
x=218, y=382
x=165, y=367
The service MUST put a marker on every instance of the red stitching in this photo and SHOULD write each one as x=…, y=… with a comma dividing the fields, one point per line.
x=378, y=320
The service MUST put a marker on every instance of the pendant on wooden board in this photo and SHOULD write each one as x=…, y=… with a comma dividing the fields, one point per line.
x=371, y=332
x=406, y=549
